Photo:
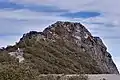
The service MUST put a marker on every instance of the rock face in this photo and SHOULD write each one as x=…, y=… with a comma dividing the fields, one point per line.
x=66, y=47
x=79, y=35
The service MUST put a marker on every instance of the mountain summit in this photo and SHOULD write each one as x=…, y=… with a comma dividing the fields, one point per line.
x=63, y=47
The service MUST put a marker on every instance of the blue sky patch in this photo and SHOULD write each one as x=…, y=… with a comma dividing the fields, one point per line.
x=81, y=14
x=9, y=34
x=4, y=5
x=36, y=8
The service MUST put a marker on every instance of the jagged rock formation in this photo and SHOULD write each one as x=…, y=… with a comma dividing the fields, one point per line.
x=66, y=47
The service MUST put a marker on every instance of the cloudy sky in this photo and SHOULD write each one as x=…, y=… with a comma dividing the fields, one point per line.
x=101, y=17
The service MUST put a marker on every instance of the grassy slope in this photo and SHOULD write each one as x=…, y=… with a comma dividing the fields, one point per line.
x=45, y=57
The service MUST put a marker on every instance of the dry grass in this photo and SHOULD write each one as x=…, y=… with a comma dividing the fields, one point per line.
x=63, y=77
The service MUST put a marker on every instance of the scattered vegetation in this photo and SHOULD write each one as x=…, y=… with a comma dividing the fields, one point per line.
x=63, y=77
x=45, y=56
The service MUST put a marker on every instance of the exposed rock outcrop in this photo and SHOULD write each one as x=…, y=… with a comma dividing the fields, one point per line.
x=18, y=54
x=79, y=35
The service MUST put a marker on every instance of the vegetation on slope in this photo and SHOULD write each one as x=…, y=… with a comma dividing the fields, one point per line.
x=48, y=54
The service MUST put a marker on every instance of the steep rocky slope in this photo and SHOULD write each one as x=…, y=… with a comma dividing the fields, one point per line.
x=63, y=47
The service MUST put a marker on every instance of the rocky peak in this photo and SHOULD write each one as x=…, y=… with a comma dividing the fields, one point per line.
x=74, y=32
x=75, y=37
x=64, y=29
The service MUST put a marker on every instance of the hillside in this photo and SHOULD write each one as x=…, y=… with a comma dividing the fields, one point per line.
x=63, y=47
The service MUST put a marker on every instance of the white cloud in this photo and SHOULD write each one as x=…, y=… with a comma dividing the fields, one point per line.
x=101, y=5
x=108, y=8
x=19, y=20
x=27, y=15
